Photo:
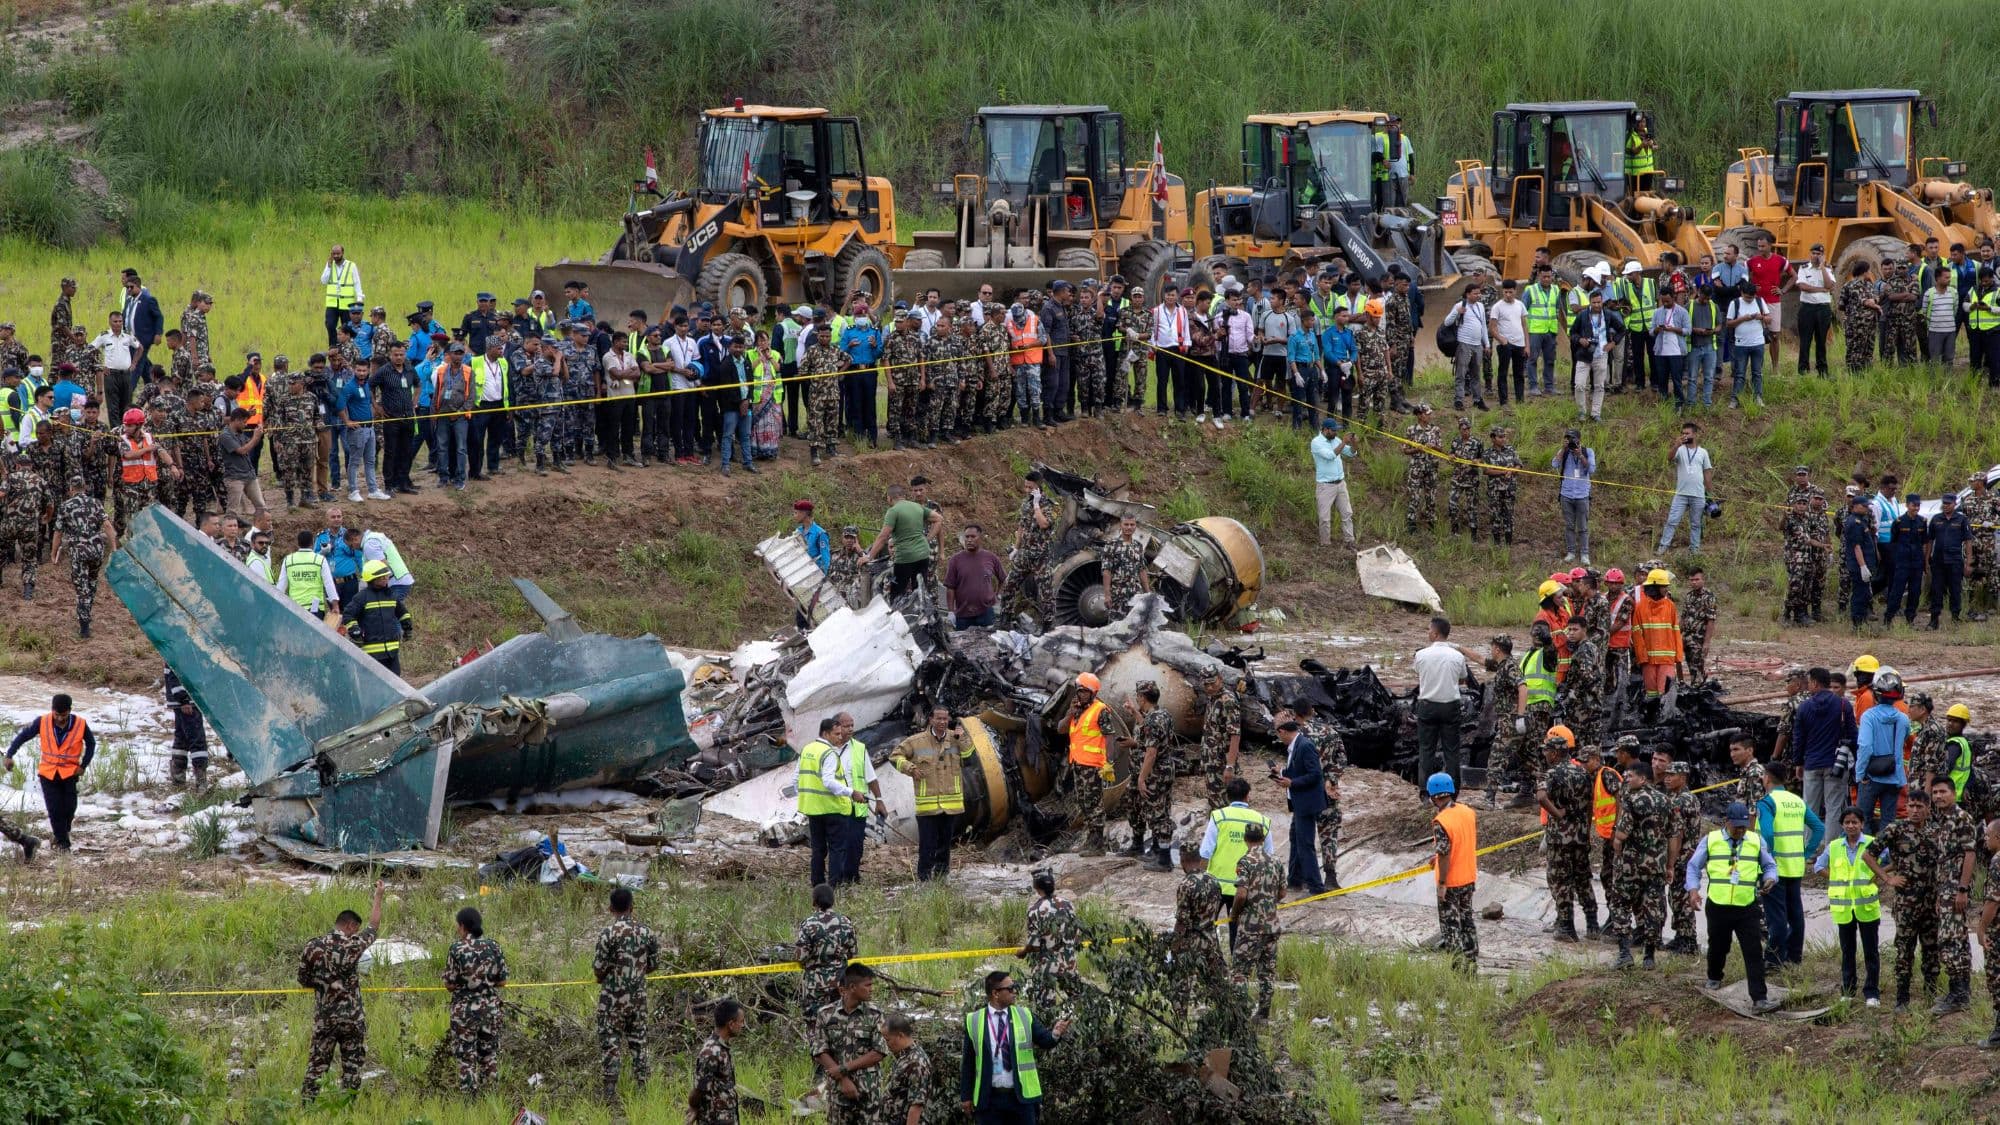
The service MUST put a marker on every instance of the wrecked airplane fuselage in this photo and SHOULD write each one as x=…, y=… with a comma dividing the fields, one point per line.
x=341, y=753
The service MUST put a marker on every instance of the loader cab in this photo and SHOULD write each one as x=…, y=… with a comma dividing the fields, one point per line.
x=1295, y=166
x=1548, y=155
x=1831, y=142
x=793, y=167
x=1072, y=155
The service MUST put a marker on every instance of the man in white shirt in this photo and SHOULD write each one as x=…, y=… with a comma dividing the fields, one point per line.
x=1470, y=317
x=1692, y=466
x=683, y=363
x=120, y=349
x=1814, y=282
x=847, y=857
x=1441, y=667
x=1745, y=321
x=928, y=313
x=1670, y=330
x=1507, y=320
x=1170, y=343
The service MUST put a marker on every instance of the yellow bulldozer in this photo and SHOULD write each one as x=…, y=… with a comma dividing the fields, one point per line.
x=1842, y=174
x=1558, y=180
x=782, y=210
x=1307, y=198
x=1055, y=201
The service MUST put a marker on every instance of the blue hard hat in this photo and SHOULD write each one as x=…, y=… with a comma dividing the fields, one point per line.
x=1440, y=784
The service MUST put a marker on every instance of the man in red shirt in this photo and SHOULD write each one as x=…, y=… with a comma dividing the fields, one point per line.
x=1767, y=273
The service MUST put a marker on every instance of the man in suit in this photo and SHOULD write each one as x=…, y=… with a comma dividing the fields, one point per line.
x=997, y=1079
x=143, y=320
x=1307, y=800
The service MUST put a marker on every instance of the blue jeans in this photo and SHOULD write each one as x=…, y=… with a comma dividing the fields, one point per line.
x=360, y=442
x=1702, y=366
x=977, y=620
x=1871, y=794
x=1752, y=358
x=1690, y=506
x=451, y=435
x=736, y=428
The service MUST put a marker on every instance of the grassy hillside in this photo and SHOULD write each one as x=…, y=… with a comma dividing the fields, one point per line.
x=377, y=95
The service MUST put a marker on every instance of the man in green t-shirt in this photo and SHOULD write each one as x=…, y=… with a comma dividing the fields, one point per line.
x=906, y=530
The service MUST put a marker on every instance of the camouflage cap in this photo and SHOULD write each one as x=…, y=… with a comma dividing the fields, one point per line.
x=1465, y=421
x=1146, y=685
x=1422, y=407
x=205, y=388
x=1498, y=430
x=1795, y=671
x=1211, y=676
x=1680, y=768
x=1627, y=742
x=201, y=295
x=67, y=281
x=850, y=529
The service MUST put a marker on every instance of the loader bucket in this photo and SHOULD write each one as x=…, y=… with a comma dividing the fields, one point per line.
x=963, y=285
x=616, y=288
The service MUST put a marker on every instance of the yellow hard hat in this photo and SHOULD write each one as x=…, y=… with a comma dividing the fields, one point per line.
x=1865, y=663
x=370, y=571
x=1959, y=711
x=1562, y=732
x=1548, y=589
x=1658, y=577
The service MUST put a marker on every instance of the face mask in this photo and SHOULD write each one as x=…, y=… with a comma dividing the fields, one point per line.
x=35, y=371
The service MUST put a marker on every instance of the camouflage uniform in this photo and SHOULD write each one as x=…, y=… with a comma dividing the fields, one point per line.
x=1420, y=480
x=1952, y=834
x=200, y=486
x=87, y=450
x=826, y=943
x=14, y=354
x=330, y=965
x=626, y=952
x=847, y=1035
x=844, y=575
x=1638, y=888
x=1929, y=757
x=1400, y=328
x=174, y=412
x=1581, y=694
x=1504, y=689
x=1137, y=325
x=1462, y=506
x=1992, y=938
x=1087, y=360
x=903, y=363
x=1027, y=578
x=1220, y=722
x=1596, y=616
x=27, y=502
x=1500, y=493
x=908, y=1085
x=1750, y=784
x=474, y=970
x=1260, y=884
x=539, y=385
x=713, y=1099
x=1461, y=934
x=194, y=336
x=1124, y=561
x=1906, y=319
x=1799, y=529
x=132, y=497
x=1567, y=838
x=1859, y=324
x=60, y=322
x=1153, y=810
x=1904, y=849
x=81, y=521
x=1196, y=951
x=820, y=370
x=576, y=435
x=1982, y=511
x=945, y=354
x=294, y=425
x=1684, y=811
x=1374, y=374
x=1332, y=764
x=997, y=386
x=1051, y=947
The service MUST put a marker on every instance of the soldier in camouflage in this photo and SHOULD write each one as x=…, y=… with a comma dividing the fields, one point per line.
x=1954, y=844
x=1901, y=297
x=845, y=1039
x=1087, y=357
x=1027, y=572
x=540, y=385
x=1420, y=480
x=293, y=418
x=1053, y=941
x=576, y=436
x=945, y=360
x=903, y=362
x=1503, y=694
x=1805, y=534
x=1122, y=563
x=825, y=944
x=1136, y=322
x=996, y=386
x=89, y=448
x=1904, y=849
x=712, y=1096
x=25, y=504
x=86, y=533
x=971, y=375
x=330, y=965
x=1221, y=736
x=1580, y=697
x=845, y=572
x=1400, y=328
x=1501, y=484
x=1194, y=946
x=1860, y=317
x=908, y=1087
x=60, y=320
x=1684, y=815
x=1594, y=609
x=1457, y=932
x=1260, y=886
x=1332, y=764
x=626, y=952
x=474, y=972
x=1462, y=505
x=1982, y=512
x=1374, y=375
x=1149, y=807
x=1640, y=841
x=194, y=328
x=1928, y=756
x=200, y=486
x=819, y=370
x=1564, y=796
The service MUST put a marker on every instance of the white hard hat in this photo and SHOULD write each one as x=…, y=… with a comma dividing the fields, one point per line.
x=1631, y=266
x=1598, y=272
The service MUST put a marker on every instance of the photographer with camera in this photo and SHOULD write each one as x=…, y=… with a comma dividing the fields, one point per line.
x=1692, y=466
x=1576, y=463
x=1592, y=335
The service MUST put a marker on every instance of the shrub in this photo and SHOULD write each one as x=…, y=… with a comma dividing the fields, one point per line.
x=82, y=1047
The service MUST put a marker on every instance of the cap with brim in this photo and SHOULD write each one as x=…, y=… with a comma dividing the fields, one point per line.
x=850, y=529
x=426, y=306
x=1801, y=470
x=486, y=297
x=804, y=312
x=1737, y=816
x=519, y=301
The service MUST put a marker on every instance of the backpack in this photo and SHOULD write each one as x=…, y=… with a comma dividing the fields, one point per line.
x=1447, y=338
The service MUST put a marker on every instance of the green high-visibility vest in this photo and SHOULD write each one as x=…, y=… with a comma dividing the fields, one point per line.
x=1850, y=885
x=1984, y=312
x=302, y=579
x=1639, y=157
x=1230, y=846
x=1539, y=677
x=1788, y=833
x=1324, y=307
x=1029, y=1083
x=1641, y=299
x=1961, y=764
x=815, y=799
x=790, y=330
x=345, y=288
x=1726, y=858
x=1544, y=303
x=766, y=371
x=483, y=370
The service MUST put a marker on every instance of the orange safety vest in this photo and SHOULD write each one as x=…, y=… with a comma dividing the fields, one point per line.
x=437, y=388
x=138, y=461
x=1025, y=340
x=1461, y=827
x=1086, y=737
x=62, y=759
x=251, y=397
x=1603, y=806
x=1659, y=623
x=1620, y=638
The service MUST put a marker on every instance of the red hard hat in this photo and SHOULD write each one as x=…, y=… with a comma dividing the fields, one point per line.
x=1614, y=575
x=135, y=417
